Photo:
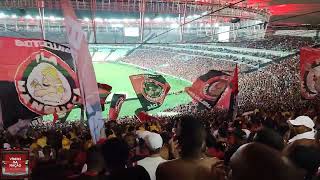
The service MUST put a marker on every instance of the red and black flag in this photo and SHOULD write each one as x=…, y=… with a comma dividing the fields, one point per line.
x=36, y=78
x=214, y=89
x=104, y=91
x=115, y=106
x=310, y=72
x=144, y=116
x=151, y=90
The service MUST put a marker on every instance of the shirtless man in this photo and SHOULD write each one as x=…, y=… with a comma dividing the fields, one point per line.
x=192, y=164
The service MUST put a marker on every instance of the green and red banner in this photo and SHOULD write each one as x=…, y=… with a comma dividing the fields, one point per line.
x=214, y=89
x=151, y=90
x=104, y=92
x=115, y=106
x=310, y=72
x=36, y=78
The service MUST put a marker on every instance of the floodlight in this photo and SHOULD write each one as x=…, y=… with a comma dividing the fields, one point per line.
x=2, y=15
x=28, y=17
x=98, y=19
x=52, y=18
x=174, y=25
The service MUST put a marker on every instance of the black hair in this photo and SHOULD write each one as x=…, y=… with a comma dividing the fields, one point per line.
x=307, y=158
x=192, y=135
x=94, y=158
x=270, y=138
x=115, y=152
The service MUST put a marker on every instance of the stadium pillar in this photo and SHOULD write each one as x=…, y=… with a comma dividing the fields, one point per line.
x=93, y=14
x=180, y=21
x=184, y=19
x=142, y=10
x=41, y=14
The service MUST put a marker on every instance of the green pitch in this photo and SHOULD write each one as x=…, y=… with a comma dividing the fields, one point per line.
x=117, y=75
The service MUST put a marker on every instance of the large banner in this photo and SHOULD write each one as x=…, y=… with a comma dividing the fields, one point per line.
x=214, y=89
x=88, y=84
x=151, y=90
x=310, y=72
x=36, y=78
x=115, y=106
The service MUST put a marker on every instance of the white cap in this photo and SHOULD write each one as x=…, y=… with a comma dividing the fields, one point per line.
x=153, y=141
x=142, y=133
x=6, y=146
x=303, y=121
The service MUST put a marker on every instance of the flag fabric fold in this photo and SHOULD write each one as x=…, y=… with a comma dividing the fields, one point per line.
x=215, y=89
x=115, y=106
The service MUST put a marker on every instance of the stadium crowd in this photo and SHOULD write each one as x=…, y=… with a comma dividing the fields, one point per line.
x=283, y=43
x=201, y=145
x=277, y=139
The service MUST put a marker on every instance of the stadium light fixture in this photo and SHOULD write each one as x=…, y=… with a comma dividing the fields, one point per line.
x=174, y=25
x=28, y=17
x=2, y=15
x=196, y=16
x=52, y=18
x=98, y=19
x=160, y=19
x=204, y=13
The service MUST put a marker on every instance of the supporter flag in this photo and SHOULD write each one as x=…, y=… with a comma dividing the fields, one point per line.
x=144, y=116
x=36, y=78
x=150, y=89
x=234, y=94
x=86, y=76
x=214, y=89
x=115, y=105
x=310, y=72
x=104, y=91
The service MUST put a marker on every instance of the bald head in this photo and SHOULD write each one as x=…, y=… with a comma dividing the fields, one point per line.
x=256, y=161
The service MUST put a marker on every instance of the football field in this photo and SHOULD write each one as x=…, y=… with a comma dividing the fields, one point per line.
x=117, y=75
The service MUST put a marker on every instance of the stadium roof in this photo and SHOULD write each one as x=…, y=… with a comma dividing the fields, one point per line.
x=282, y=9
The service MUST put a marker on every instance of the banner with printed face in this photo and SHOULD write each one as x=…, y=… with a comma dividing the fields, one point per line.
x=310, y=72
x=37, y=78
x=115, y=106
x=151, y=90
x=86, y=76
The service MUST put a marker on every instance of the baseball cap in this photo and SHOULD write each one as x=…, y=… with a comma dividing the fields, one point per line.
x=303, y=121
x=153, y=141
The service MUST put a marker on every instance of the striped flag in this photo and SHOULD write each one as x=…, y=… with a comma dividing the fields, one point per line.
x=86, y=76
